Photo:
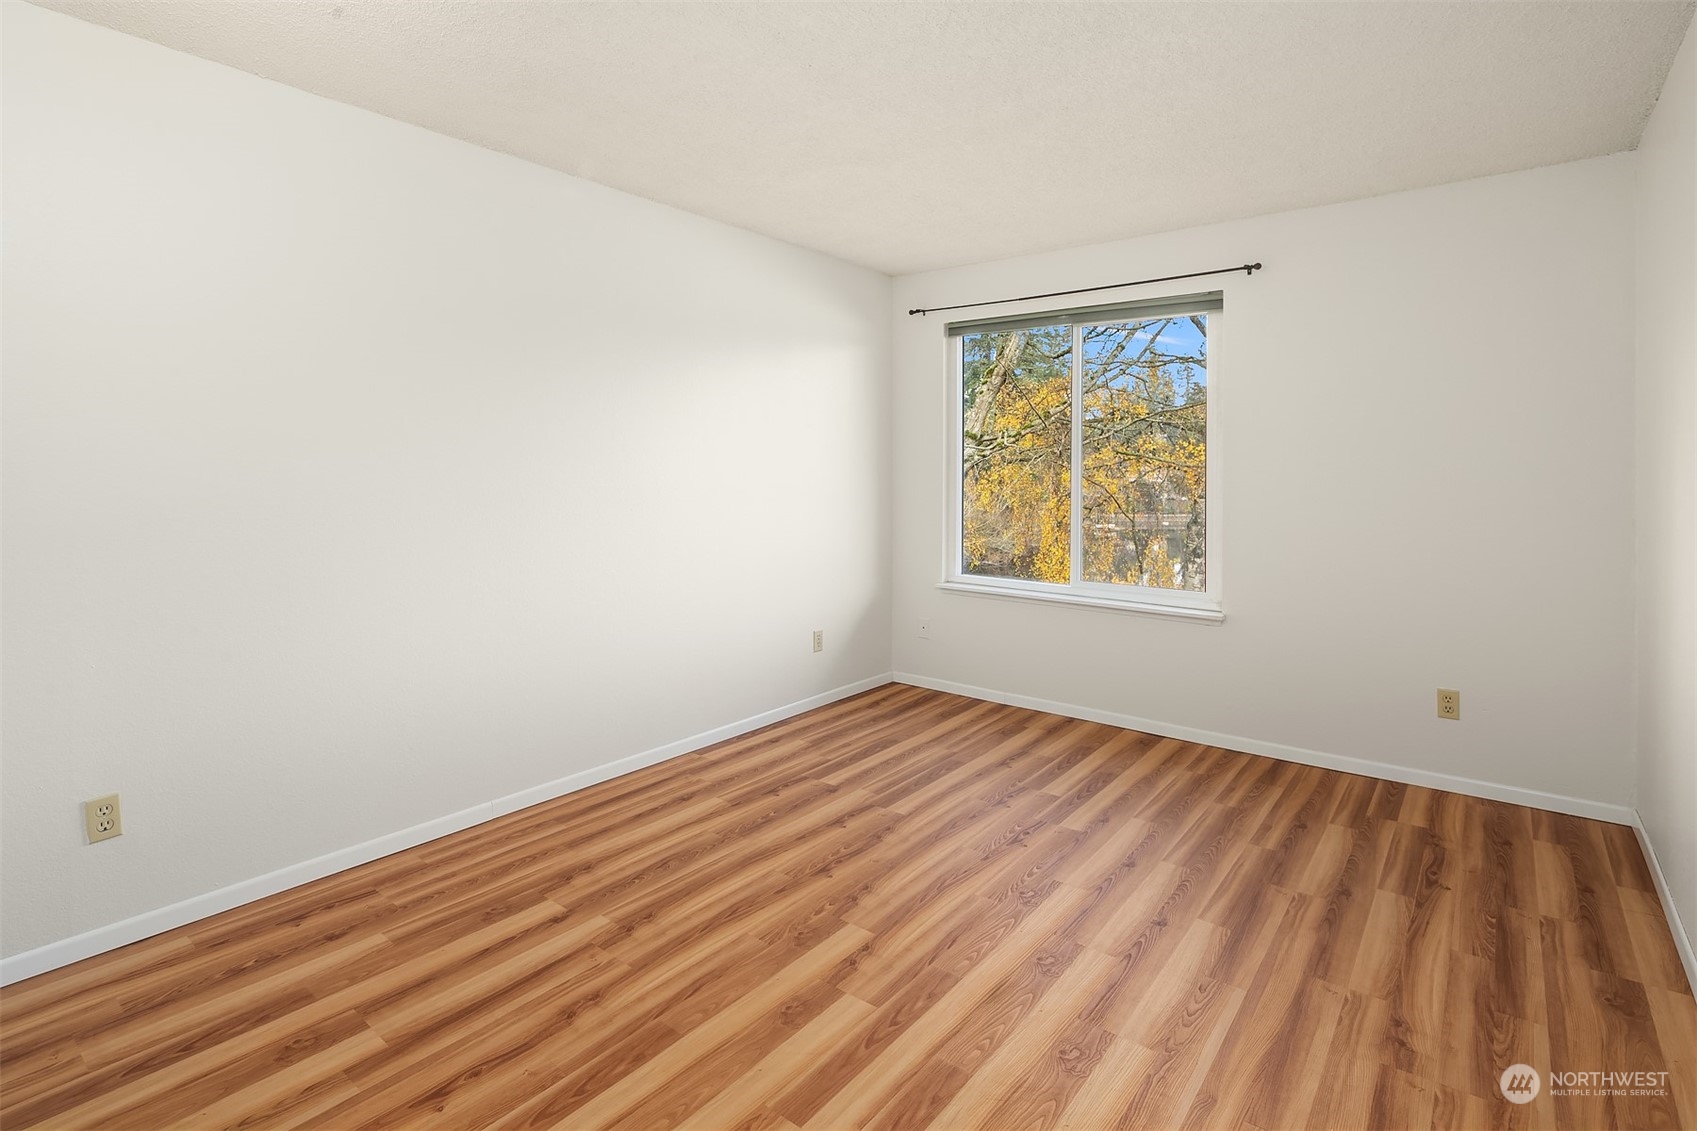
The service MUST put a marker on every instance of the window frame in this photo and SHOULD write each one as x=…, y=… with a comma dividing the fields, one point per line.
x=1207, y=606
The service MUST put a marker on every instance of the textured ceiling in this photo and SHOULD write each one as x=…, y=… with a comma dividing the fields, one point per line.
x=908, y=136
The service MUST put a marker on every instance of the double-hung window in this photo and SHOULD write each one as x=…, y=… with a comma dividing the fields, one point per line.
x=1082, y=461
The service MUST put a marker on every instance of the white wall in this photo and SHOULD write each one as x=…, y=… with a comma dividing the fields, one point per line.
x=354, y=475
x=1667, y=481
x=1426, y=422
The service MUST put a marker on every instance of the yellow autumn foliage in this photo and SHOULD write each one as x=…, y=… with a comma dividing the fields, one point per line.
x=1144, y=463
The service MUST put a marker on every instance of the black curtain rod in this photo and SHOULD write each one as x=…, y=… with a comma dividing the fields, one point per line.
x=1247, y=269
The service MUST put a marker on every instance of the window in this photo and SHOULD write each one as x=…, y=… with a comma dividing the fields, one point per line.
x=1082, y=461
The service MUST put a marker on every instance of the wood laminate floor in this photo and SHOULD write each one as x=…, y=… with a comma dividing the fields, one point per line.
x=906, y=909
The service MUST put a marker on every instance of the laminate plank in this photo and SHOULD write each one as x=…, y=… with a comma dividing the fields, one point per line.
x=1676, y=1029
x=755, y=1091
x=1000, y=1078
x=1309, y=1044
x=853, y=1082
x=1344, y=1098
x=685, y=1091
x=270, y=1083
x=1103, y=1096
x=1188, y=1016
x=586, y=1036
x=905, y=909
x=1280, y=1003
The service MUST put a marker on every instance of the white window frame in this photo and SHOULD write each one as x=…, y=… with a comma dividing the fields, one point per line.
x=1205, y=607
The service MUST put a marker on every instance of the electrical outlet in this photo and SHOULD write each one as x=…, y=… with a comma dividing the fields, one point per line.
x=924, y=630
x=818, y=640
x=102, y=818
x=1449, y=703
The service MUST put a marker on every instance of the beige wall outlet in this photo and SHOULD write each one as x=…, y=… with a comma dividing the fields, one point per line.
x=103, y=818
x=1449, y=703
x=818, y=640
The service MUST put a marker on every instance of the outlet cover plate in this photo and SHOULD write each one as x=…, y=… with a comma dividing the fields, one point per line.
x=102, y=818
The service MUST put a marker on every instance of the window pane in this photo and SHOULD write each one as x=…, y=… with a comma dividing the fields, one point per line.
x=1145, y=388
x=1016, y=481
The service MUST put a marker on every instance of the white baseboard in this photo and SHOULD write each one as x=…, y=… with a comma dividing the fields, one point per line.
x=29, y=963
x=1681, y=940
x=1514, y=795
x=574, y=782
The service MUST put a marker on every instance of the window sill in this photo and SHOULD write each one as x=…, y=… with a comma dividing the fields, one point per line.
x=1143, y=607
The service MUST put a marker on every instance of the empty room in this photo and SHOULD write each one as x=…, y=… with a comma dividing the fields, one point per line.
x=819, y=565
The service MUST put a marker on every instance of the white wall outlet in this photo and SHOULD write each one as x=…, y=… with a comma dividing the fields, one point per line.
x=924, y=632
x=1449, y=703
x=102, y=818
x=818, y=640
